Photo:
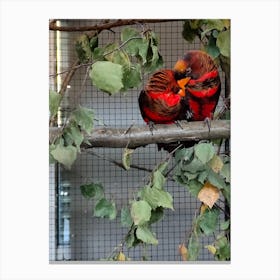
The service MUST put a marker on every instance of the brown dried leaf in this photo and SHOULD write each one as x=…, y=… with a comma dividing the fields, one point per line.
x=209, y=194
x=183, y=251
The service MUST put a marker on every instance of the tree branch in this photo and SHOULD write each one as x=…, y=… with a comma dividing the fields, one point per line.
x=105, y=26
x=141, y=136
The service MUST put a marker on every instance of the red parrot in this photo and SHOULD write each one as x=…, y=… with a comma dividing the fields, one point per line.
x=161, y=101
x=188, y=92
x=204, y=87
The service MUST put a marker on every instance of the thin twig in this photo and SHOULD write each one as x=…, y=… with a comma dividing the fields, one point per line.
x=70, y=69
x=76, y=66
x=117, y=163
x=69, y=76
x=105, y=26
x=223, y=210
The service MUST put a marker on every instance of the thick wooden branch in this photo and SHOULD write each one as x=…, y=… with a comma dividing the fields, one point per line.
x=105, y=26
x=141, y=136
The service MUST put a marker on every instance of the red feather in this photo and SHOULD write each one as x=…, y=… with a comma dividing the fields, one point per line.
x=161, y=100
x=204, y=87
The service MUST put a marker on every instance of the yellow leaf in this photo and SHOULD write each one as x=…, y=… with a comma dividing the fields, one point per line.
x=203, y=207
x=126, y=158
x=209, y=194
x=121, y=256
x=183, y=251
x=216, y=164
x=226, y=23
x=211, y=249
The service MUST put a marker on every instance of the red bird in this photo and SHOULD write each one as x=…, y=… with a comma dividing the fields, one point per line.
x=204, y=87
x=161, y=101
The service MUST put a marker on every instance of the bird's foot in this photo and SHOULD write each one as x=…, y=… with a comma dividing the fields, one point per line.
x=179, y=124
x=152, y=126
x=189, y=115
x=207, y=121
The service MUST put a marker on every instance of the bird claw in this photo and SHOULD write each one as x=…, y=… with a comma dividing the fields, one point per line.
x=151, y=126
x=178, y=123
x=207, y=121
x=189, y=115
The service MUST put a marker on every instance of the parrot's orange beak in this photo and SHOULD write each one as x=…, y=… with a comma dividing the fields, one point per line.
x=182, y=83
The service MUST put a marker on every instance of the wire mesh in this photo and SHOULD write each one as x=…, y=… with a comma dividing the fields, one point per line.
x=74, y=233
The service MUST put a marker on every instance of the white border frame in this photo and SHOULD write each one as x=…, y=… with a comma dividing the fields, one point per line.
x=254, y=135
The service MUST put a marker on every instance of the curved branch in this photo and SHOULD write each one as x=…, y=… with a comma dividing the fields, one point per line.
x=141, y=136
x=105, y=26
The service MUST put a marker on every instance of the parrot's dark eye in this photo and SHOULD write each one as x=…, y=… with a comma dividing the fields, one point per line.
x=179, y=75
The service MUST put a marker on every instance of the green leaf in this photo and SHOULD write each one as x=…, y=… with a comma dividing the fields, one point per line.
x=105, y=209
x=126, y=219
x=223, y=249
x=140, y=212
x=54, y=101
x=116, y=55
x=208, y=221
x=193, y=248
x=225, y=172
x=74, y=135
x=132, y=77
x=93, y=190
x=143, y=233
x=130, y=34
x=65, y=155
x=93, y=43
x=162, y=166
x=211, y=48
x=190, y=176
x=98, y=53
x=154, y=59
x=156, y=215
x=196, y=165
x=194, y=187
x=195, y=23
x=155, y=38
x=216, y=180
x=202, y=176
x=158, y=180
x=143, y=48
x=223, y=43
x=215, y=24
x=126, y=158
x=226, y=193
x=185, y=154
x=204, y=152
x=107, y=76
x=83, y=49
x=84, y=118
x=131, y=240
x=51, y=158
x=157, y=197
x=225, y=225
x=189, y=31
